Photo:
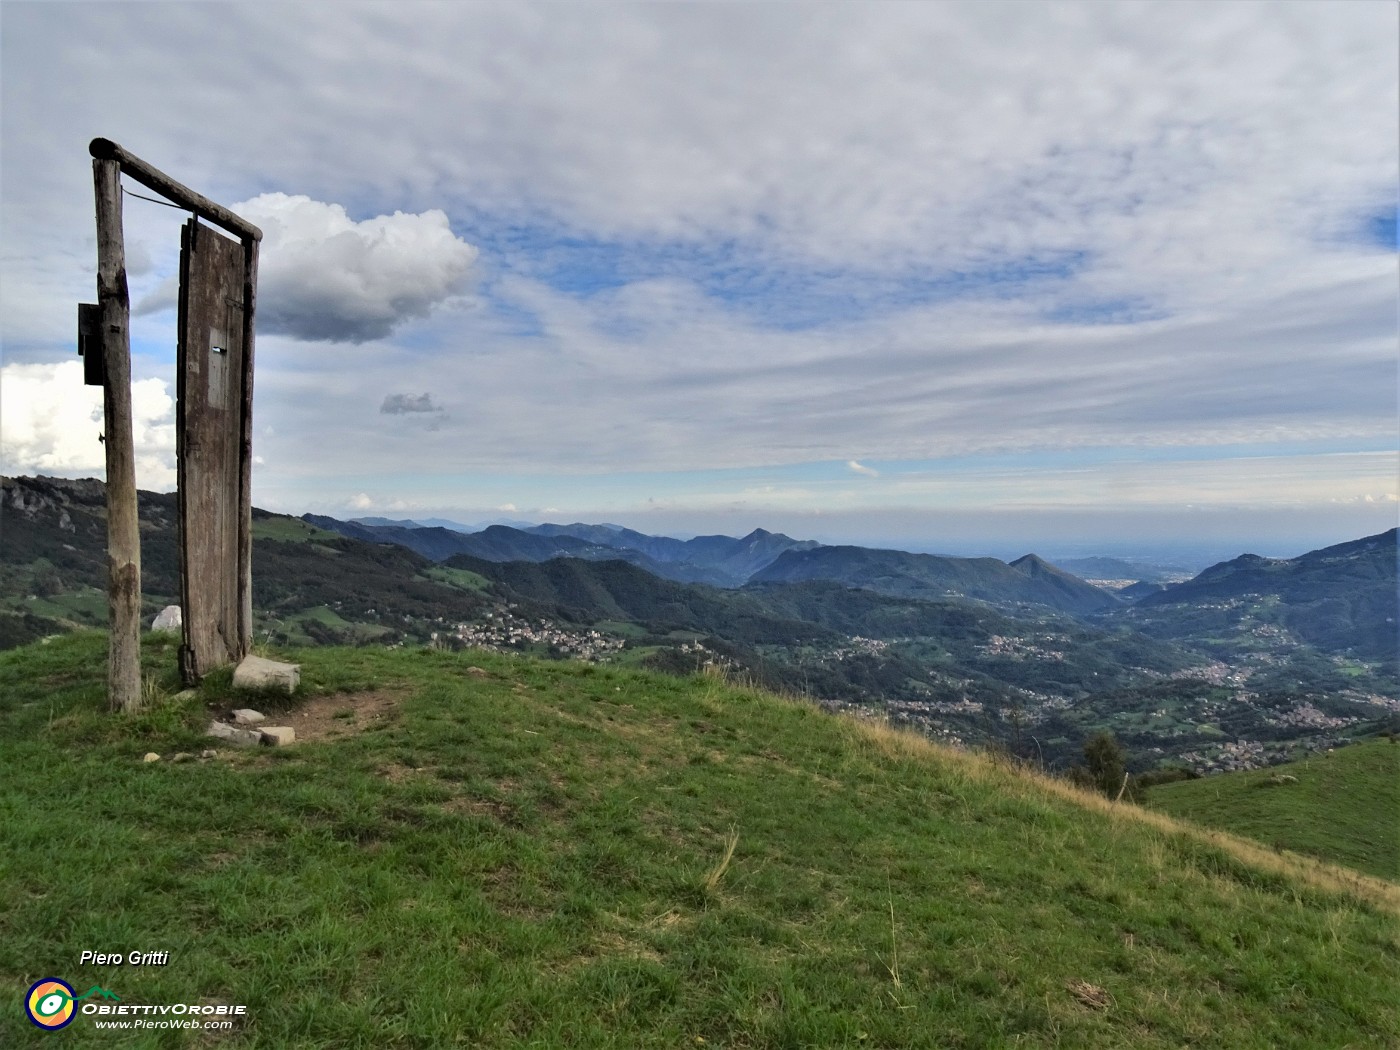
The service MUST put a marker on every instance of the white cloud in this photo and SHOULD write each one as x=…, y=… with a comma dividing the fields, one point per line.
x=362, y=501
x=1185, y=156
x=50, y=423
x=325, y=277
x=729, y=167
x=859, y=468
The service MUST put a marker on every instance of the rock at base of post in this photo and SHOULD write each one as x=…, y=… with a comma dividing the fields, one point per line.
x=254, y=672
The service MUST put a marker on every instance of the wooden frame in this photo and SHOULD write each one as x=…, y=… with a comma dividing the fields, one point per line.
x=109, y=163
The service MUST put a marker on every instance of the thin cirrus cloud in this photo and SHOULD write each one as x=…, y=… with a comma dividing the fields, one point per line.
x=747, y=236
x=408, y=404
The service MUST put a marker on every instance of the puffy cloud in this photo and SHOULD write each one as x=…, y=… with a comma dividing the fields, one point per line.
x=364, y=501
x=402, y=404
x=860, y=468
x=324, y=277
x=50, y=422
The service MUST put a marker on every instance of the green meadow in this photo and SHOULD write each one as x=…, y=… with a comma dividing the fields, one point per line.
x=1341, y=805
x=472, y=850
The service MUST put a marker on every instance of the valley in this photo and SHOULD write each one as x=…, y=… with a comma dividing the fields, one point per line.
x=1250, y=663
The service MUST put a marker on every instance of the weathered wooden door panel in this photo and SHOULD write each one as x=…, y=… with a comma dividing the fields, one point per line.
x=212, y=443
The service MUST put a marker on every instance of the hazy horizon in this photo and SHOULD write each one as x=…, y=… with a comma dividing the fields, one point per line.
x=1189, y=552
x=975, y=278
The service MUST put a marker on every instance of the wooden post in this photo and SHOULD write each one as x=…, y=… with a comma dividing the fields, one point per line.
x=123, y=535
x=245, y=518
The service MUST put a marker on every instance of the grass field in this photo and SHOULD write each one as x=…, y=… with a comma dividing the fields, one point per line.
x=462, y=579
x=85, y=606
x=1342, y=806
x=291, y=530
x=485, y=851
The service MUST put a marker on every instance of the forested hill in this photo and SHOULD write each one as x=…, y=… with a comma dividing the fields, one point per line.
x=1340, y=598
x=1028, y=580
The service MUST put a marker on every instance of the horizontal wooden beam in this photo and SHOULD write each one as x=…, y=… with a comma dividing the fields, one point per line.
x=155, y=179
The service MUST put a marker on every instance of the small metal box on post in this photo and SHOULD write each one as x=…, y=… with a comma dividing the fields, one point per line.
x=218, y=288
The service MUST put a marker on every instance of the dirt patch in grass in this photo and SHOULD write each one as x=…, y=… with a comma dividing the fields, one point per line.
x=343, y=714
x=502, y=811
x=500, y=808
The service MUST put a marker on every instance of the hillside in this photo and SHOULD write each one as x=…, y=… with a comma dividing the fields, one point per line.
x=1341, y=599
x=960, y=670
x=940, y=666
x=1029, y=580
x=1342, y=805
x=499, y=852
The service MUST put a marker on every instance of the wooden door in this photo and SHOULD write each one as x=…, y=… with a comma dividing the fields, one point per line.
x=213, y=372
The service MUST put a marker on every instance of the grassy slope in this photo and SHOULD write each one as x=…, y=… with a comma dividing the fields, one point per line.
x=519, y=857
x=292, y=530
x=1344, y=807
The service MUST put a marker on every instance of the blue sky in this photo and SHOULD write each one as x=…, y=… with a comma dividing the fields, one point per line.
x=971, y=277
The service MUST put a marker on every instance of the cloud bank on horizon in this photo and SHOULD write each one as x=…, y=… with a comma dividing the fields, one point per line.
x=758, y=258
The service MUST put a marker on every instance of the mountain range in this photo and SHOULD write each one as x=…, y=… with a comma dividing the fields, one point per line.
x=759, y=557
x=1277, y=653
x=719, y=560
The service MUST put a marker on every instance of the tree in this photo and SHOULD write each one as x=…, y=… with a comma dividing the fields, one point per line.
x=1106, y=763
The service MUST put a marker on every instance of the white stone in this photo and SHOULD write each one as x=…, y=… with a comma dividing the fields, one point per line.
x=246, y=716
x=168, y=619
x=254, y=672
x=150, y=756
x=278, y=736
